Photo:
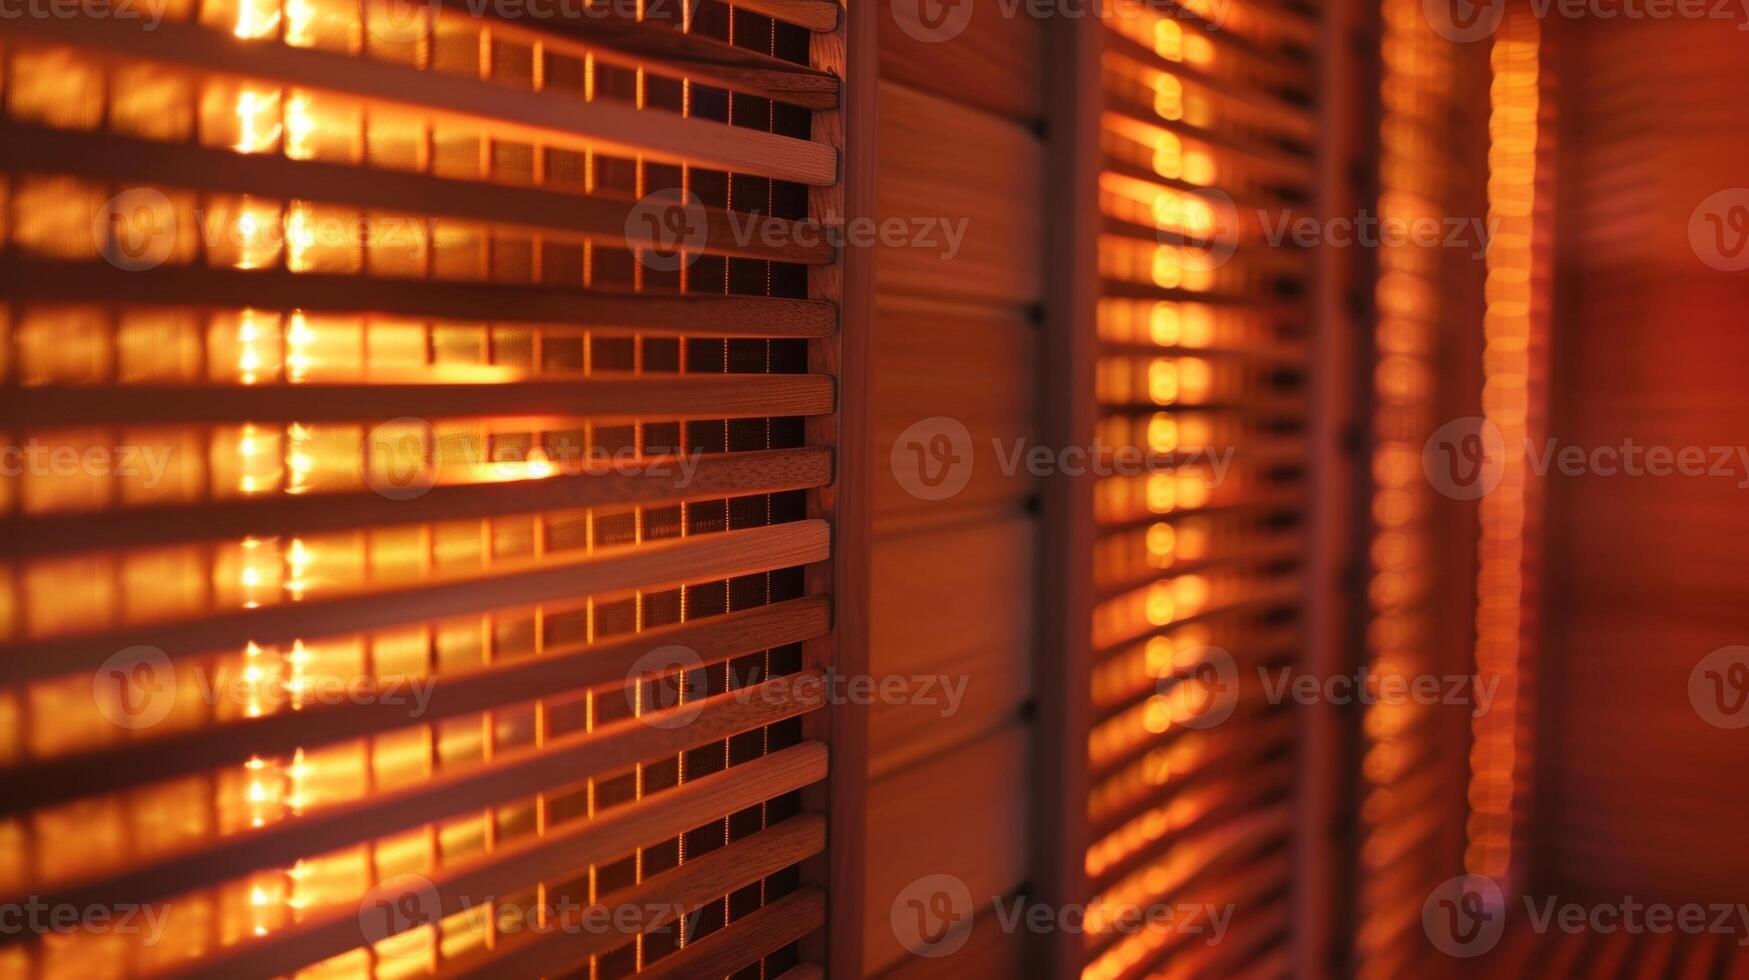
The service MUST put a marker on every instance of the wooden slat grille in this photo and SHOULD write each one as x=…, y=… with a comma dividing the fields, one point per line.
x=1203, y=323
x=414, y=401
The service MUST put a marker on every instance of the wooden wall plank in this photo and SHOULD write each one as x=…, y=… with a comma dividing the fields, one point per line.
x=941, y=160
x=955, y=618
x=908, y=837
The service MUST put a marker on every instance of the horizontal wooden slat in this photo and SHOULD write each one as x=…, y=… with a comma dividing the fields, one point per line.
x=610, y=836
x=691, y=885
x=745, y=940
x=689, y=396
x=602, y=125
x=290, y=515
x=694, y=314
x=653, y=565
x=658, y=48
x=570, y=668
x=563, y=762
x=610, y=221
x=819, y=16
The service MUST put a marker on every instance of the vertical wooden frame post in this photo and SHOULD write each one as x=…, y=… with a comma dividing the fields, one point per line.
x=1063, y=658
x=848, y=51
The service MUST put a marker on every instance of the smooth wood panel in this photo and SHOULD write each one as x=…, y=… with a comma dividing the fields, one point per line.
x=960, y=618
x=940, y=160
x=1645, y=575
x=961, y=813
x=994, y=64
x=964, y=363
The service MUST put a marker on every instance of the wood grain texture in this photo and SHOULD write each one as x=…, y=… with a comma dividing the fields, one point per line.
x=922, y=353
x=653, y=565
x=941, y=161
x=983, y=785
x=605, y=126
x=956, y=618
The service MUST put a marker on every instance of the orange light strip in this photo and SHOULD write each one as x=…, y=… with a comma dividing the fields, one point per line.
x=1508, y=328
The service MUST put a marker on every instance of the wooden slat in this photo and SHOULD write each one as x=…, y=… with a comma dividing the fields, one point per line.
x=819, y=16
x=602, y=219
x=608, y=837
x=691, y=885
x=650, y=313
x=602, y=125
x=291, y=515
x=691, y=396
x=654, y=565
x=745, y=940
x=570, y=668
x=562, y=762
x=657, y=47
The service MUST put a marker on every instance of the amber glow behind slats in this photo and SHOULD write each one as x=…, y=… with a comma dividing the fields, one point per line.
x=109, y=346
x=1200, y=332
